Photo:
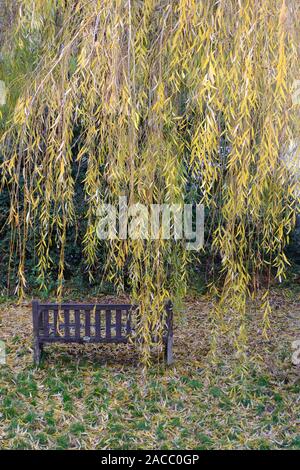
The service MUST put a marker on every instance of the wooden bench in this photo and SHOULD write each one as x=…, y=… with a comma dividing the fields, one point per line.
x=90, y=323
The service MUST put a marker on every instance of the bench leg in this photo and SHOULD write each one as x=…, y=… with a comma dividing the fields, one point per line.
x=169, y=350
x=37, y=352
x=169, y=338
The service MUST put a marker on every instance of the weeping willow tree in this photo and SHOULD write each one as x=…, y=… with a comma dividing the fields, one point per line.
x=154, y=94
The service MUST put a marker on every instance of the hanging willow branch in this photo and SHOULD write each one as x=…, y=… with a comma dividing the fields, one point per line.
x=159, y=92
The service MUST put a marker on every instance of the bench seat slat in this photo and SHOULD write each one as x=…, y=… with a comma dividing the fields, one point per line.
x=103, y=340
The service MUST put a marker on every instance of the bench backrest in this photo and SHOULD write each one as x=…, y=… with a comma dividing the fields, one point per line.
x=82, y=322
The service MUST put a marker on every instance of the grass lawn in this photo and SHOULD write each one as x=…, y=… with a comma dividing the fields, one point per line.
x=88, y=397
